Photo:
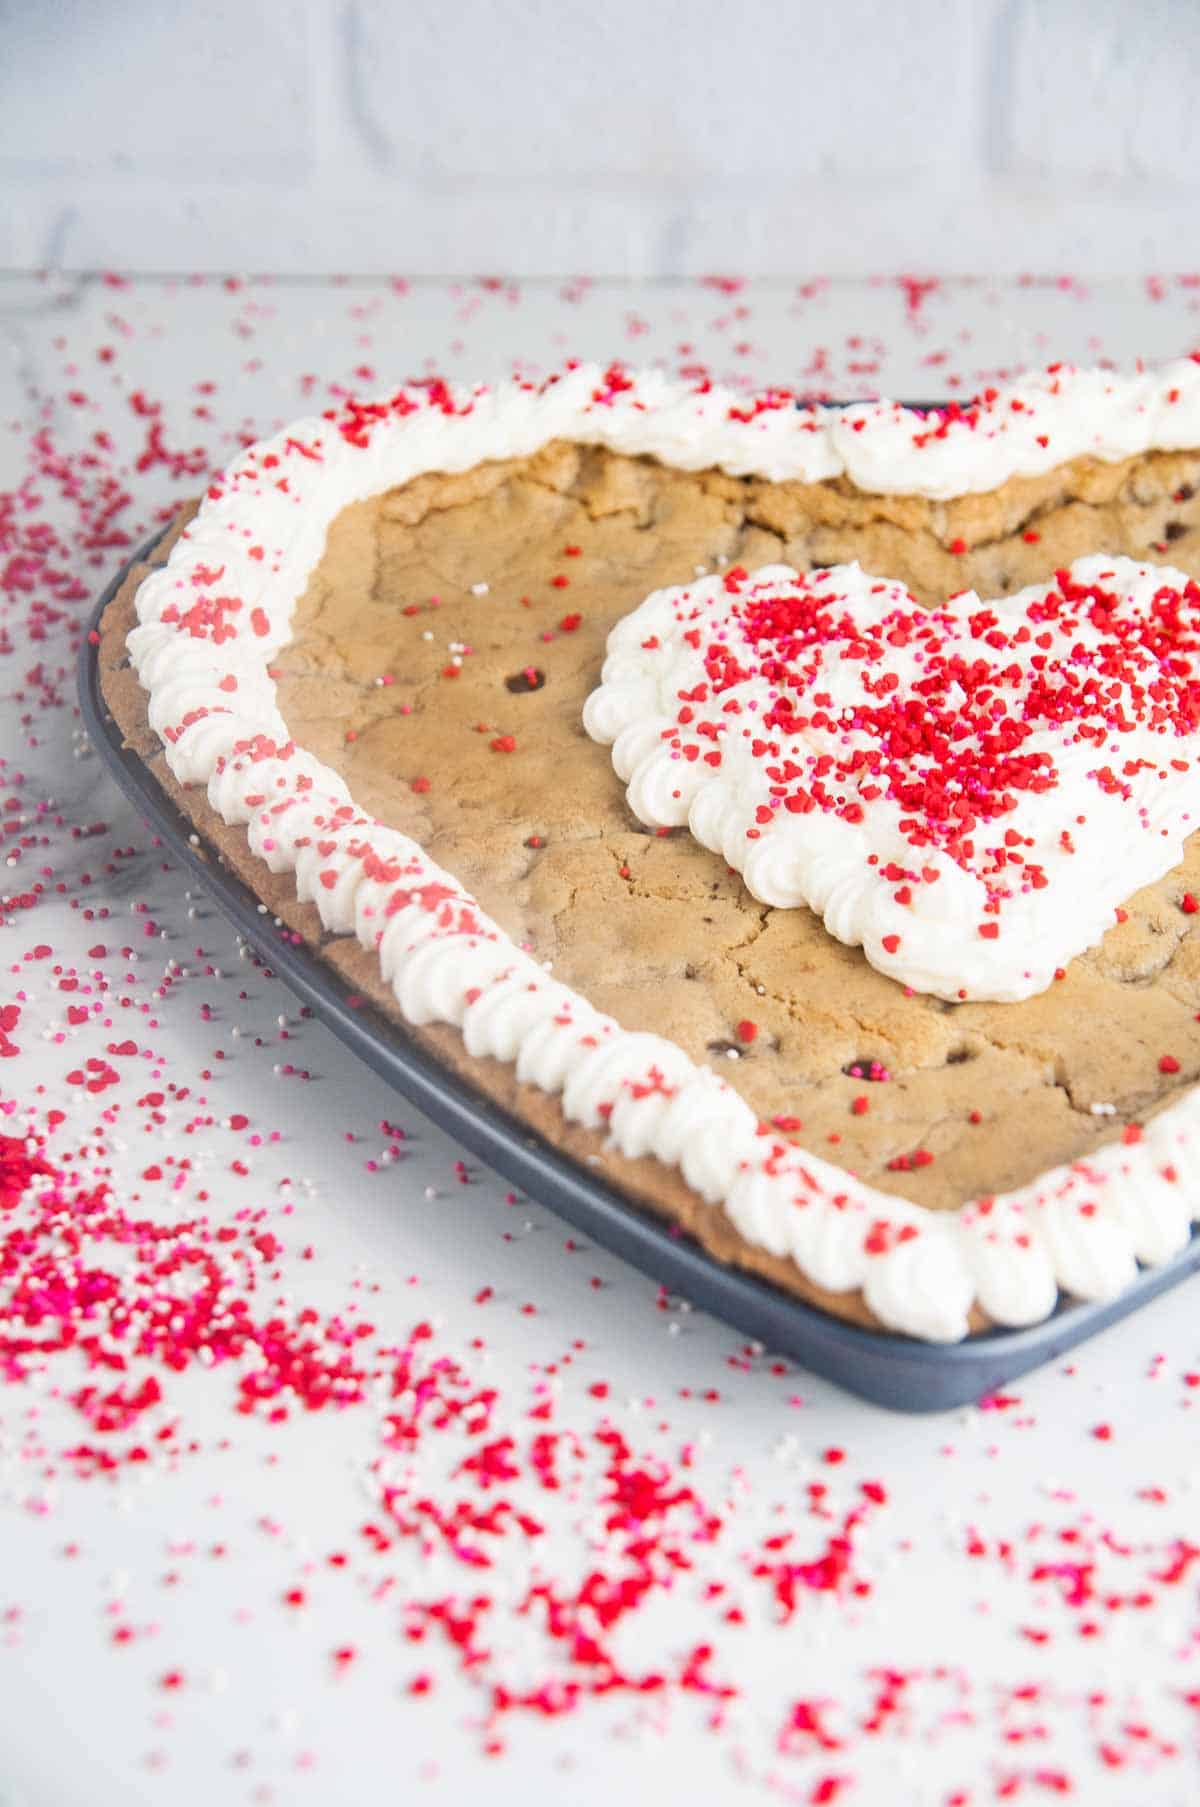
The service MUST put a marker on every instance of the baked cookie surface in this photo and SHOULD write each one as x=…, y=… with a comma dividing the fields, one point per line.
x=439, y=659
x=480, y=708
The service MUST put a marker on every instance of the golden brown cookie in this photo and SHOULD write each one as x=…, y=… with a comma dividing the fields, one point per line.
x=440, y=659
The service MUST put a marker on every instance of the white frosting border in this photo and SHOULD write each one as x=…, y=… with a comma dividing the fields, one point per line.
x=212, y=618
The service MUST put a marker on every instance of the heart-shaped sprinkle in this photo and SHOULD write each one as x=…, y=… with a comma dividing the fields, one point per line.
x=969, y=791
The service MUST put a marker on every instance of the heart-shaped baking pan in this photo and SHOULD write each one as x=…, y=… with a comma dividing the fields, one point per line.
x=657, y=880
x=352, y=674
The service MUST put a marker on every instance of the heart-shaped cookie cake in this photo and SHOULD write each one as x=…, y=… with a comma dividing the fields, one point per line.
x=871, y=963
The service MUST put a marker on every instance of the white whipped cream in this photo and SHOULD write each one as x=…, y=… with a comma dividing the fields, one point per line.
x=212, y=618
x=1043, y=876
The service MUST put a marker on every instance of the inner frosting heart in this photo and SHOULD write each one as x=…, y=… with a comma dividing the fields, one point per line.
x=970, y=791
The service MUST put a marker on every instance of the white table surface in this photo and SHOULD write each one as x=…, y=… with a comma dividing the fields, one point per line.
x=952, y=1663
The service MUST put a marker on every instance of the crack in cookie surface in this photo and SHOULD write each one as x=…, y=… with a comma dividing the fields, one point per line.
x=396, y=676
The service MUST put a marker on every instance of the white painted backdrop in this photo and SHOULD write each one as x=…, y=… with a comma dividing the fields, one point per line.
x=634, y=137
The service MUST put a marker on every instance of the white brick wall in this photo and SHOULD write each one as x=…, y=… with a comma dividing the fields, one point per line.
x=1116, y=107
x=643, y=137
